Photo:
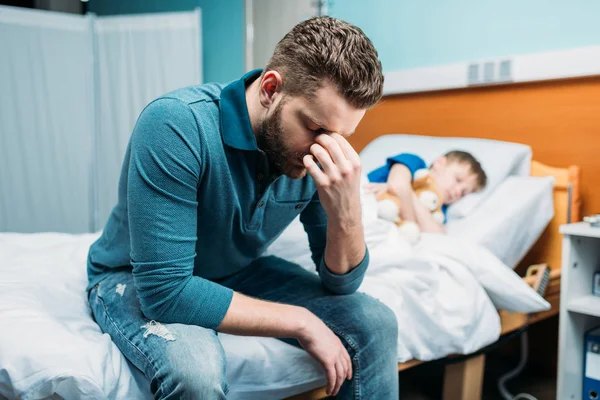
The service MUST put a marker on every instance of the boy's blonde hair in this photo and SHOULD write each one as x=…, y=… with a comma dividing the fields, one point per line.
x=462, y=157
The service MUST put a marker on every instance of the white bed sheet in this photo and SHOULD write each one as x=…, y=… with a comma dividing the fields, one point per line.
x=49, y=342
x=39, y=270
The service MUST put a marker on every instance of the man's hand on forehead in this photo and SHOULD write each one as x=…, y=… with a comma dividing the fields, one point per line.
x=338, y=178
x=335, y=157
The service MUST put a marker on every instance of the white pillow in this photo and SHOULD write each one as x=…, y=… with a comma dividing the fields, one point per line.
x=498, y=159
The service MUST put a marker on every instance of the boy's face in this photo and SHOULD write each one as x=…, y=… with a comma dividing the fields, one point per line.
x=454, y=179
x=293, y=122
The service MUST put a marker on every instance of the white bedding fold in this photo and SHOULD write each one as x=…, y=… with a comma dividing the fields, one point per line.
x=444, y=290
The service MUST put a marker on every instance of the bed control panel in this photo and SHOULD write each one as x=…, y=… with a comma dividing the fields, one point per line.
x=596, y=284
x=593, y=220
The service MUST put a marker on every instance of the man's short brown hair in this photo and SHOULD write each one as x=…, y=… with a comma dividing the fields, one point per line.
x=327, y=50
x=467, y=158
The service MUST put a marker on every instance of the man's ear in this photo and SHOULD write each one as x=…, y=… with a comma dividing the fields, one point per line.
x=271, y=85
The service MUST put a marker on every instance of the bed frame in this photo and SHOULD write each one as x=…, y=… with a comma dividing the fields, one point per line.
x=463, y=380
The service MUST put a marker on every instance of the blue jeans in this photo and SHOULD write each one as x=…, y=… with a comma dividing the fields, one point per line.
x=187, y=361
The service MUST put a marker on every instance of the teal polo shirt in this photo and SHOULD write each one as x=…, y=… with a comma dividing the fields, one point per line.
x=198, y=202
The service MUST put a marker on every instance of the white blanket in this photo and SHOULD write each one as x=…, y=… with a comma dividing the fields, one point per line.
x=440, y=305
x=445, y=291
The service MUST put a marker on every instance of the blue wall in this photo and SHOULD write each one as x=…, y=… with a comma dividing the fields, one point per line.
x=421, y=33
x=407, y=33
x=223, y=28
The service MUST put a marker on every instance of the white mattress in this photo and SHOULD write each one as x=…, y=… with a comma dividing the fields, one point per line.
x=49, y=342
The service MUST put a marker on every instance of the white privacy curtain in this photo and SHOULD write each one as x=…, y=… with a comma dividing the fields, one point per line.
x=139, y=59
x=71, y=88
x=46, y=121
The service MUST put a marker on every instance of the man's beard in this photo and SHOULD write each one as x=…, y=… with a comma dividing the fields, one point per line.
x=271, y=140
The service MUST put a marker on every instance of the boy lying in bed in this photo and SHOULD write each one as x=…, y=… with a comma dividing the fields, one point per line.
x=456, y=174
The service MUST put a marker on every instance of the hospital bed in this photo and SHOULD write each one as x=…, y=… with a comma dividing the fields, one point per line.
x=50, y=344
x=463, y=380
x=513, y=232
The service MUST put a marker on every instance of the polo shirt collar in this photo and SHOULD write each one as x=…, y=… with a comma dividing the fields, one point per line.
x=235, y=121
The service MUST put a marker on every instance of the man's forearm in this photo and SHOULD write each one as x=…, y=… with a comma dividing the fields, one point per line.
x=247, y=316
x=345, y=247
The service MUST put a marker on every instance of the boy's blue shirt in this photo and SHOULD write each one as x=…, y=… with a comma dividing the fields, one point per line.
x=410, y=161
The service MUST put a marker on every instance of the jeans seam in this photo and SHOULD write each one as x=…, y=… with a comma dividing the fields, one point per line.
x=113, y=323
x=353, y=346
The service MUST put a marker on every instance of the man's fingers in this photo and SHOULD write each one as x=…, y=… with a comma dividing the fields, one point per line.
x=349, y=152
x=324, y=159
x=331, y=373
x=313, y=169
x=349, y=362
x=340, y=369
x=332, y=145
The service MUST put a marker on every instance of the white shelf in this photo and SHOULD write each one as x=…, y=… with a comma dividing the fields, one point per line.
x=580, y=229
x=579, y=308
x=588, y=304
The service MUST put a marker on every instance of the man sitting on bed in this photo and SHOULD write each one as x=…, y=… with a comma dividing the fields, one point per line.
x=456, y=174
x=212, y=175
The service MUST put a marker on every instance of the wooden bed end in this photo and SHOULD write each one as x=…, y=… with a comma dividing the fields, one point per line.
x=567, y=208
x=548, y=248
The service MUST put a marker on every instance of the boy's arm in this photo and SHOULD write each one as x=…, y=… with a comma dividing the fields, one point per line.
x=400, y=184
x=424, y=218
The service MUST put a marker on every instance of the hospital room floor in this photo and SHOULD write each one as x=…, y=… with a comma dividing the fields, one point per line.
x=537, y=379
x=425, y=382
